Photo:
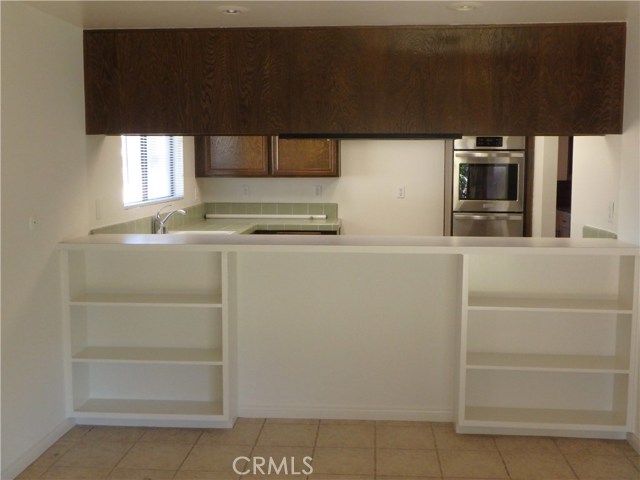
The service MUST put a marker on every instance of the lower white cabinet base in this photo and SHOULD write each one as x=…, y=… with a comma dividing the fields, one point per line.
x=544, y=422
x=140, y=421
x=537, y=431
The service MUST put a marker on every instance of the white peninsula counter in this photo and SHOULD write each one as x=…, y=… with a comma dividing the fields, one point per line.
x=497, y=334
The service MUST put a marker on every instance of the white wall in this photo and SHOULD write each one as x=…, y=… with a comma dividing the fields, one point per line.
x=545, y=175
x=43, y=174
x=104, y=203
x=606, y=170
x=366, y=191
x=595, y=185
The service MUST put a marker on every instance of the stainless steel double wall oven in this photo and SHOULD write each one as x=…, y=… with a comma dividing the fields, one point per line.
x=486, y=182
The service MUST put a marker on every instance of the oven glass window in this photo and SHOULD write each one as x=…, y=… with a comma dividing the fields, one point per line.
x=488, y=181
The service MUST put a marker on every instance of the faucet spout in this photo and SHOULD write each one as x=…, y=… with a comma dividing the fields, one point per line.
x=160, y=223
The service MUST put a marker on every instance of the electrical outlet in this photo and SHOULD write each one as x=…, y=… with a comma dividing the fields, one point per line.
x=611, y=212
x=246, y=191
x=33, y=222
x=400, y=193
x=317, y=190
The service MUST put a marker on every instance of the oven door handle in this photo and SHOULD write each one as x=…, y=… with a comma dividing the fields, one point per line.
x=493, y=216
x=489, y=154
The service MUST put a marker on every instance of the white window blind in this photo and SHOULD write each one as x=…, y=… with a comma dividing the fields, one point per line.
x=152, y=169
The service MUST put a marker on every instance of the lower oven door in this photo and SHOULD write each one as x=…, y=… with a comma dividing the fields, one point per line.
x=488, y=224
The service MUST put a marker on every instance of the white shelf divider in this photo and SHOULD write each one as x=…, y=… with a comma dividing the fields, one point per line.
x=551, y=418
x=148, y=300
x=149, y=409
x=520, y=303
x=547, y=362
x=190, y=356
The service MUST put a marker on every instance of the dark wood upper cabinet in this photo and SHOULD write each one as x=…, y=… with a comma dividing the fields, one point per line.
x=305, y=158
x=229, y=156
x=550, y=79
x=261, y=156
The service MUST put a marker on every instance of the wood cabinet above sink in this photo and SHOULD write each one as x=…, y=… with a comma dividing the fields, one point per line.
x=261, y=156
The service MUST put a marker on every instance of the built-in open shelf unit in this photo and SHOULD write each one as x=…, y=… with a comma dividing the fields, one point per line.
x=546, y=344
x=149, y=335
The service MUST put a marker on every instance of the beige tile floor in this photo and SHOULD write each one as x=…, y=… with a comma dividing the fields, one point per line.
x=341, y=450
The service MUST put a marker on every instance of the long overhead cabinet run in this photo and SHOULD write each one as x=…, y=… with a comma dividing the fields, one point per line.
x=551, y=79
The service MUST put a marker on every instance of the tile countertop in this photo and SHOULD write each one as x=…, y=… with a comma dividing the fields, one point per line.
x=249, y=225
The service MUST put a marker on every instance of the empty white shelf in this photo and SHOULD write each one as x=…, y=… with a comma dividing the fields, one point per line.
x=578, y=305
x=147, y=408
x=545, y=362
x=149, y=299
x=191, y=356
x=553, y=418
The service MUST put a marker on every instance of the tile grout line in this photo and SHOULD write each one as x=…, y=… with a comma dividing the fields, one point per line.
x=255, y=442
x=375, y=449
x=504, y=463
x=193, y=445
x=575, y=474
x=146, y=429
x=133, y=444
x=435, y=447
x=315, y=446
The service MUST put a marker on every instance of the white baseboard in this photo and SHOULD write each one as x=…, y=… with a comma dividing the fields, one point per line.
x=634, y=441
x=343, y=413
x=13, y=470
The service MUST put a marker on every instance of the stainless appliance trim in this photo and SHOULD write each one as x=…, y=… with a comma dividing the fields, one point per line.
x=448, y=186
x=488, y=205
x=492, y=155
x=488, y=216
x=488, y=225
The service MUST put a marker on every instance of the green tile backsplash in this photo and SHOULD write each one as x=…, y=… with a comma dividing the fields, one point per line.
x=593, y=232
x=197, y=213
x=328, y=209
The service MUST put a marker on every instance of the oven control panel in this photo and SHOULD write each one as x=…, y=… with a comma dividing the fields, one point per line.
x=490, y=142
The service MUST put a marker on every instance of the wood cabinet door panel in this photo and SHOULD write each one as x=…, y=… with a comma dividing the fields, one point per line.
x=154, y=82
x=101, y=85
x=305, y=158
x=236, y=82
x=561, y=79
x=246, y=156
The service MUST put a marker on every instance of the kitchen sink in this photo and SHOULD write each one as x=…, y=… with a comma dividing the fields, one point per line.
x=204, y=232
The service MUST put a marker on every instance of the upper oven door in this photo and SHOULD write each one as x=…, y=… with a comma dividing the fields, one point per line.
x=488, y=181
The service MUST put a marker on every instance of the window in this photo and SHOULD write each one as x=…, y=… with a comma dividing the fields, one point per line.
x=152, y=169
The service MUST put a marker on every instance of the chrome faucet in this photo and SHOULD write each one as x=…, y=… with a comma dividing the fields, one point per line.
x=159, y=224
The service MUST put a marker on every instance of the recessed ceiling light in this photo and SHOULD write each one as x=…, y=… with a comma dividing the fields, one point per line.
x=464, y=6
x=232, y=10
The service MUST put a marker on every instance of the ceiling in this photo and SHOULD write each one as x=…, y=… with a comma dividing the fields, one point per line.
x=188, y=13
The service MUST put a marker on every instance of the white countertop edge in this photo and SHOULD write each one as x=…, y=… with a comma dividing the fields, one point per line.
x=355, y=244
